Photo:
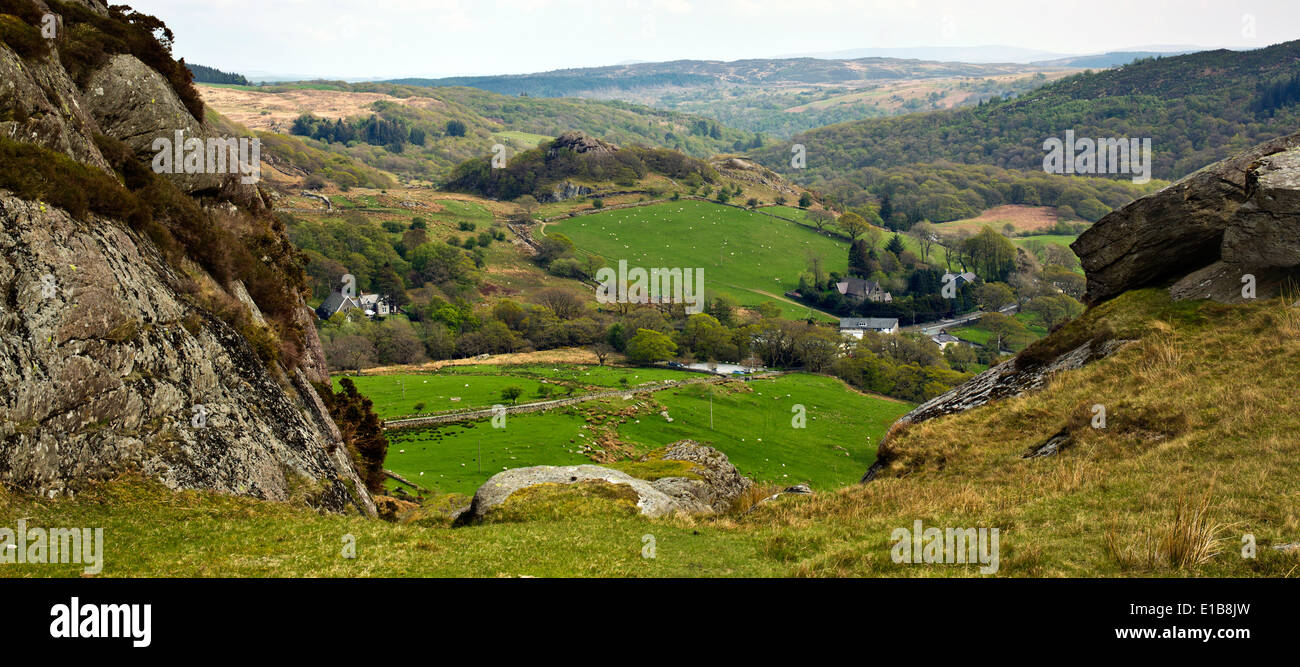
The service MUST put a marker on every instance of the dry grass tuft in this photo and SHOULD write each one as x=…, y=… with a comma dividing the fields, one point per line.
x=1189, y=539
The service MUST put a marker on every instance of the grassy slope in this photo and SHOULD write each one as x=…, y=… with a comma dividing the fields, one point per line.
x=1197, y=409
x=752, y=424
x=747, y=255
x=395, y=395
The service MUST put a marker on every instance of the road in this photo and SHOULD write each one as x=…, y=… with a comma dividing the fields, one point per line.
x=931, y=328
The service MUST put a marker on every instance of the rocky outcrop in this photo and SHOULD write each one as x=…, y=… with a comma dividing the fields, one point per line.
x=1202, y=235
x=579, y=143
x=112, y=370
x=715, y=485
x=1010, y=378
x=568, y=191
x=133, y=103
x=111, y=364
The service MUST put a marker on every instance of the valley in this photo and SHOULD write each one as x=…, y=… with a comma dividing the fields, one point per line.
x=393, y=326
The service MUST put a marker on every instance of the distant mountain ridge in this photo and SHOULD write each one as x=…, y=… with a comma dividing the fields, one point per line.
x=1193, y=119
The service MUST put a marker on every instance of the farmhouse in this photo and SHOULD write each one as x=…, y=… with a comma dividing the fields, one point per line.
x=943, y=339
x=859, y=290
x=373, y=305
x=958, y=279
x=855, y=327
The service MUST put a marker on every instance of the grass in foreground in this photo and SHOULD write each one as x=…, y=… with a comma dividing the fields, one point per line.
x=752, y=424
x=1198, y=451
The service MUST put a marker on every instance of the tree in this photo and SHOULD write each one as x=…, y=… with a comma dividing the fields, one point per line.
x=1054, y=309
x=924, y=234
x=552, y=247
x=805, y=200
x=528, y=204
x=512, y=394
x=992, y=254
x=361, y=429
x=349, y=353
x=769, y=310
x=994, y=296
x=859, y=259
x=1007, y=331
x=456, y=128
x=602, y=350
x=649, y=346
x=959, y=356
x=723, y=307
x=1065, y=280
x=853, y=225
x=895, y=245
x=820, y=218
x=563, y=303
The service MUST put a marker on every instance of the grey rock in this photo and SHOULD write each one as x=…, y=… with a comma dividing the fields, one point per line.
x=49, y=104
x=650, y=501
x=135, y=104
x=720, y=483
x=105, y=371
x=569, y=191
x=1204, y=232
x=1052, y=446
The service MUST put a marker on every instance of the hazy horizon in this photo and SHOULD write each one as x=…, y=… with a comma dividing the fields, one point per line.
x=439, y=38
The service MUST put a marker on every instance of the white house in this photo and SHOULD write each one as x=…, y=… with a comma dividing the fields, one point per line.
x=855, y=327
x=373, y=305
x=943, y=339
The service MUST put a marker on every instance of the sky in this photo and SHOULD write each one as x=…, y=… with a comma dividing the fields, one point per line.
x=377, y=39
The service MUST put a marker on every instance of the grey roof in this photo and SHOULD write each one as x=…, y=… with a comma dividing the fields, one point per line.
x=334, y=303
x=945, y=338
x=868, y=322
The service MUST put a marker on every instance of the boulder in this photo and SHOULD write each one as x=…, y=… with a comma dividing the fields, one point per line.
x=650, y=501
x=1202, y=235
x=718, y=484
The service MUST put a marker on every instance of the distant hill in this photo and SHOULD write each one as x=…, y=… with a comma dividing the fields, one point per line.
x=1107, y=60
x=1196, y=108
x=775, y=96
x=204, y=74
x=420, y=133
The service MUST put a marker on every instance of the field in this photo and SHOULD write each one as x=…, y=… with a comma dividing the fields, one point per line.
x=751, y=422
x=1022, y=218
x=477, y=387
x=752, y=257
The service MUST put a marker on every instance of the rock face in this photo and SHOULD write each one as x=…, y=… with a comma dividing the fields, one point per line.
x=569, y=191
x=110, y=365
x=1010, y=378
x=719, y=483
x=580, y=143
x=111, y=370
x=1201, y=235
